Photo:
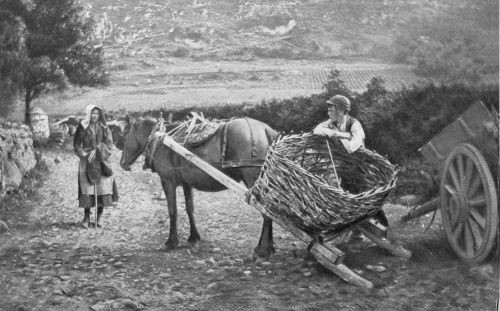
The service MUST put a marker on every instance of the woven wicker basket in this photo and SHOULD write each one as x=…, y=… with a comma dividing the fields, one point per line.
x=299, y=183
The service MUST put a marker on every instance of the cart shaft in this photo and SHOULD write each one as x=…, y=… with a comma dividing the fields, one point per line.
x=423, y=209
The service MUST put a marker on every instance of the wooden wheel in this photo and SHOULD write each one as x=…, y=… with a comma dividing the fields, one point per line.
x=469, y=204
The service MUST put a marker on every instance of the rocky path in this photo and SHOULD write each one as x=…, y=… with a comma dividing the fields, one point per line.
x=51, y=263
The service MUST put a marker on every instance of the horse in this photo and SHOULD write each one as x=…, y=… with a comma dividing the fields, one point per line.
x=229, y=150
x=117, y=127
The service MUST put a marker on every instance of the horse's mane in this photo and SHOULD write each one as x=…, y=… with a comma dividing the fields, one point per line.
x=147, y=121
x=150, y=122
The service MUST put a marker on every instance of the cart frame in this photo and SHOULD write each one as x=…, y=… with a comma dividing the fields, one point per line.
x=468, y=192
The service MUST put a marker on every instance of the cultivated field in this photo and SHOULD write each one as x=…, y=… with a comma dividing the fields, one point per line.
x=179, y=54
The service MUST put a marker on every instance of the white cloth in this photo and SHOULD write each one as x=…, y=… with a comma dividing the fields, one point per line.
x=88, y=112
x=357, y=139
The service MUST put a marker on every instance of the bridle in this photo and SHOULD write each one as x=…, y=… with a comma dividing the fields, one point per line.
x=143, y=148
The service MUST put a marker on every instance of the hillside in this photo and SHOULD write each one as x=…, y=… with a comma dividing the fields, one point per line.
x=177, y=53
x=244, y=30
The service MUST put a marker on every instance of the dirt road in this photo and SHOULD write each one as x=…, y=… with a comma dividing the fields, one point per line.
x=48, y=262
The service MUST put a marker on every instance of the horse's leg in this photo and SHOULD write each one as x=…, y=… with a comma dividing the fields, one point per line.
x=169, y=189
x=265, y=248
x=194, y=237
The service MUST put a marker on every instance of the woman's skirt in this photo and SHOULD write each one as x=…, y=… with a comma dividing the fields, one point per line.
x=107, y=190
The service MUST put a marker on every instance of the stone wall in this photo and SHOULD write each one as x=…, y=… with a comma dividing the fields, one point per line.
x=17, y=155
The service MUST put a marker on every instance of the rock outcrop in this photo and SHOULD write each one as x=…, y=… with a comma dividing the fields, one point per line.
x=17, y=155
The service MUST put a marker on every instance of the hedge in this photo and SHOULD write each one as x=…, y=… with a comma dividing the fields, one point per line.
x=396, y=123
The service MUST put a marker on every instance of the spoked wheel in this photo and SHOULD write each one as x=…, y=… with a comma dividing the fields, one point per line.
x=469, y=204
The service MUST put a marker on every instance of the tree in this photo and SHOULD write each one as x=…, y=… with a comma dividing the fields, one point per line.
x=12, y=53
x=49, y=47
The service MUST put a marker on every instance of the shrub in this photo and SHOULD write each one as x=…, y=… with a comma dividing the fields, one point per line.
x=455, y=45
x=403, y=121
x=396, y=123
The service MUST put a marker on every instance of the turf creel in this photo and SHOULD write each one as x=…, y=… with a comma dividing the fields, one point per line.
x=299, y=183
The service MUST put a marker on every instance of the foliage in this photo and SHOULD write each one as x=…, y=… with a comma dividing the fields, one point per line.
x=46, y=45
x=396, y=123
x=458, y=45
x=404, y=121
x=84, y=65
x=12, y=34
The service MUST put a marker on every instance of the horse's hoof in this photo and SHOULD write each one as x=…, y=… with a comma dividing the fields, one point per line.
x=194, y=245
x=171, y=244
x=193, y=240
x=258, y=256
x=263, y=252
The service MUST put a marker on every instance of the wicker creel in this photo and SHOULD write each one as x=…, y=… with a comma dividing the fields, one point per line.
x=299, y=183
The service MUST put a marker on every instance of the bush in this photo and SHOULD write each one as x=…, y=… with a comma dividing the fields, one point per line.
x=396, y=123
x=458, y=45
x=403, y=121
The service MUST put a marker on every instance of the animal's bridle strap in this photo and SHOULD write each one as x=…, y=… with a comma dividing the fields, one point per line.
x=152, y=142
x=141, y=150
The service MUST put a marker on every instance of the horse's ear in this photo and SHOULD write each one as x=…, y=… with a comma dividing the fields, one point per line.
x=169, y=118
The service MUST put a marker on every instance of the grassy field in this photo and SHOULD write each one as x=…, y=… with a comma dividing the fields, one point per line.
x=178, y=54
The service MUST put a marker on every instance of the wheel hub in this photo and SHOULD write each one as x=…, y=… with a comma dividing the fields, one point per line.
x=460, y=208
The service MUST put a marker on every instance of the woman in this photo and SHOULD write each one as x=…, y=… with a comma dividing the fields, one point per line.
x=93, y=144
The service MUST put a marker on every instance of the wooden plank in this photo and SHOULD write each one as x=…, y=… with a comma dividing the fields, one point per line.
x=342, y=271
x=378, y=229
x=209, y=169
x=335, y=255
x=397, y=250
x=423, y=209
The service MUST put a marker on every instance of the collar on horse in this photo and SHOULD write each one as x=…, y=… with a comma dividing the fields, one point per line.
x=152, y=142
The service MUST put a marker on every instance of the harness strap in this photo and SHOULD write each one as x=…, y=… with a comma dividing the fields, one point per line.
x=151, y=151
x=254, y=151
x=151, y=146
x=224, y=141
x=139, y=152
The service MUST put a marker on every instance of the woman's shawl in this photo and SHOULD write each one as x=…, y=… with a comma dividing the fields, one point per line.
x=88, y=138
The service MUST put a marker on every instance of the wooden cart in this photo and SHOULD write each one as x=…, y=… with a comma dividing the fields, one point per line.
x=465, y=155
x=325, y=253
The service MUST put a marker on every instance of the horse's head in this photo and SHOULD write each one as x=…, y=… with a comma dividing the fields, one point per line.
x=135, y=138
x=117, y=128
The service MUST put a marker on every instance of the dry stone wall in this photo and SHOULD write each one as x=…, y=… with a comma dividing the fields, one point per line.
x=17, y=155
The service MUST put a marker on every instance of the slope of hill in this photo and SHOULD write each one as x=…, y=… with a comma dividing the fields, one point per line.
x=243, y=30
x=178, y=53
